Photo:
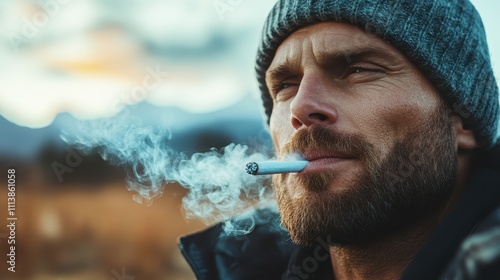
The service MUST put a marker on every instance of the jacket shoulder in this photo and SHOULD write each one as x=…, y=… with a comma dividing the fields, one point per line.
x=479, y=255
x=263, y=253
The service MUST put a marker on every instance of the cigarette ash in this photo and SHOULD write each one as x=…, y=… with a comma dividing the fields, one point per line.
x=252, y=168
x=219, y=187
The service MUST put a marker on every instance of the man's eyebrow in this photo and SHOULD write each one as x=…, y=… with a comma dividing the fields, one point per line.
x=284, y=69
x=326, y=58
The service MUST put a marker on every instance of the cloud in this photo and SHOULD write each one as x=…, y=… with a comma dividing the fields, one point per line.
x=84, y=58
x=90, y=55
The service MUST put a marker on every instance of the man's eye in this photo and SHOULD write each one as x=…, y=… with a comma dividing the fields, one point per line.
x=285, y=85
x=282, y=91
x=356, y=70
x=362, y=74
x=281, y=86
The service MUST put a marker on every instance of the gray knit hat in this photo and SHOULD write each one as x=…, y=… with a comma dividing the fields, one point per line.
x=445, y=39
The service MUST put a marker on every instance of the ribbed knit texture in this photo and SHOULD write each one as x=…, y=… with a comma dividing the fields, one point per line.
x=445, y=39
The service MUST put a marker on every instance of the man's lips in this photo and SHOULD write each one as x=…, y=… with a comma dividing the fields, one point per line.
x=321, y=159
x=312, y=155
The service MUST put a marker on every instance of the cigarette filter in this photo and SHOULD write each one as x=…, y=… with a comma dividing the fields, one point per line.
x=274, y=167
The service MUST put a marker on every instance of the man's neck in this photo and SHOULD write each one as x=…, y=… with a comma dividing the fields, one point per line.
x=386, y=258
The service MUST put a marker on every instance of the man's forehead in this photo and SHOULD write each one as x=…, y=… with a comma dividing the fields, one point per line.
x=330, y=39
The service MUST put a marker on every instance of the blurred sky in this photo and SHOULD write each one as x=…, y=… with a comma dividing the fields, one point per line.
x=91, y=57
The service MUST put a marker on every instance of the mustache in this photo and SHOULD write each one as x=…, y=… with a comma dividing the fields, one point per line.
x=321, y=138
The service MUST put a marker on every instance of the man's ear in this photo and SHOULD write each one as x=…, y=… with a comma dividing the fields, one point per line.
x=465, y=138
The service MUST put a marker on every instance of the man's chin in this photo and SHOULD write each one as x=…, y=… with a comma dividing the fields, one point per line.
x=319, y=184
x=307, y=214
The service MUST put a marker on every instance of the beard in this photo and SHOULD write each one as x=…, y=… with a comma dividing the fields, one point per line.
x=414, y=179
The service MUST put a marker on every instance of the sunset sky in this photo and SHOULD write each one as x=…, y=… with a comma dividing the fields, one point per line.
x=90, y=58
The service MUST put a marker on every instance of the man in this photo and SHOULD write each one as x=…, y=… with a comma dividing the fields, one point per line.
x=395, y=105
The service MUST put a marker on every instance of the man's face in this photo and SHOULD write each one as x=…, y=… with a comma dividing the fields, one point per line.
x=379, y=141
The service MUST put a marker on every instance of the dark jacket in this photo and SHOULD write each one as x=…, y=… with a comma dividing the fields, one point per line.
x=466, y=245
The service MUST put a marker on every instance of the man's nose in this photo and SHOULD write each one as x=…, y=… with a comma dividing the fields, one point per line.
x=314, y=102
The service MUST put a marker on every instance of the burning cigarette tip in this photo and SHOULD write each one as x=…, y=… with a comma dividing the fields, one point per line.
x=274, y=167
x=252, y=168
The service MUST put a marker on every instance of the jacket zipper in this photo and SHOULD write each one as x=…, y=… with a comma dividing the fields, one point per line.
x=189, y=261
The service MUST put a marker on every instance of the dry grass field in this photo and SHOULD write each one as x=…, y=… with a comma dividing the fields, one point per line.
x=95, y=234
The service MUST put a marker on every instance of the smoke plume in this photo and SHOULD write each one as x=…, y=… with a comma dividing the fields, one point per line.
x=219, y=188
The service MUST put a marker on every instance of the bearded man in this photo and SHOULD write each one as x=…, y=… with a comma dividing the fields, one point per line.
x=395, y=106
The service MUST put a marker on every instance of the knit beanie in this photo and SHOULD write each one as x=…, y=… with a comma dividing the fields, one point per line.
x=445, y=39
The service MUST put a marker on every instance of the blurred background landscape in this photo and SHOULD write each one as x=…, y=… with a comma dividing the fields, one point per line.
x=187, y=65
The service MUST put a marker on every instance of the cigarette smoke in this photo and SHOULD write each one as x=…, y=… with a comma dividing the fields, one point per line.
x=219, y=187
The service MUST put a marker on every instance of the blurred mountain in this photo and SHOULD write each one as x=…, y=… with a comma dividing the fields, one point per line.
x=242, y=123
x=22, y=144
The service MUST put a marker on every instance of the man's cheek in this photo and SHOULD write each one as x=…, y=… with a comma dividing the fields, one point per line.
x=280, y=132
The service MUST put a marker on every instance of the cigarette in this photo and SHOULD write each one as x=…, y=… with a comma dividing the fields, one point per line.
x=274, y=167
